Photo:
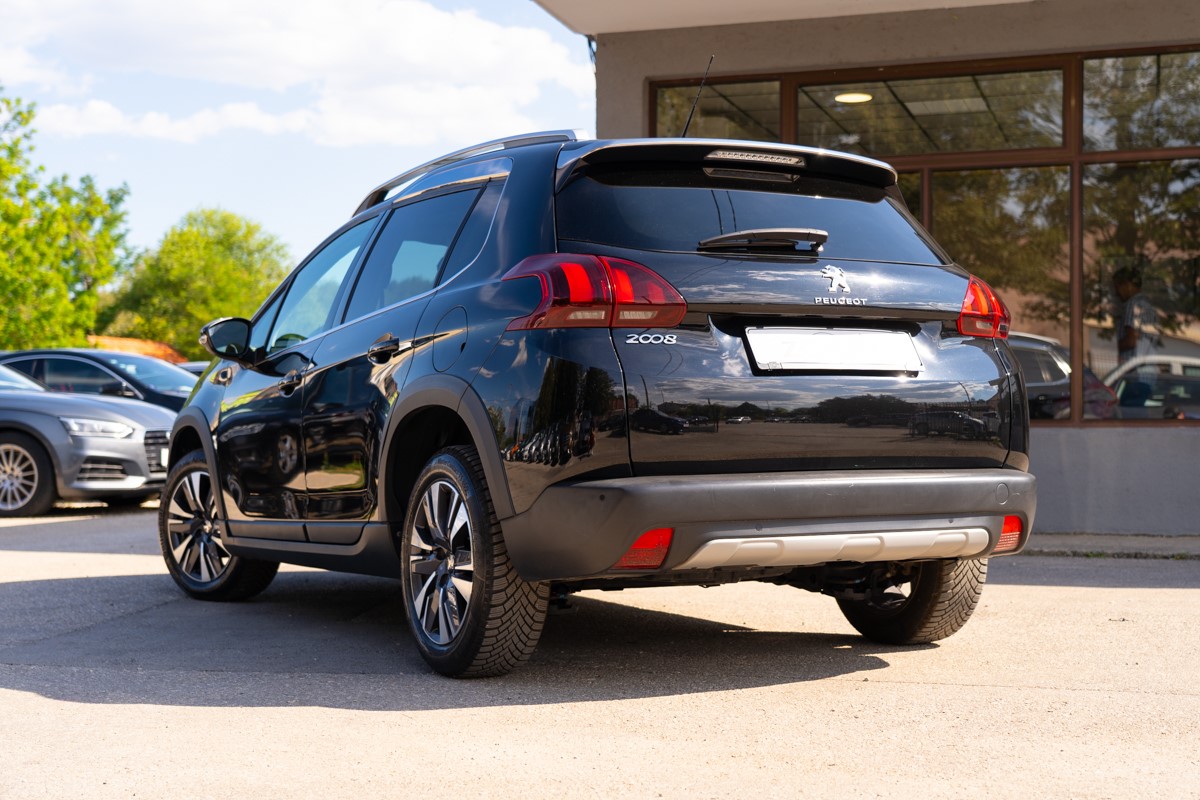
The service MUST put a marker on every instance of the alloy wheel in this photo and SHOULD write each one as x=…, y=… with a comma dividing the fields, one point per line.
x=194, y=533
x=18, y=477
x=440, y=564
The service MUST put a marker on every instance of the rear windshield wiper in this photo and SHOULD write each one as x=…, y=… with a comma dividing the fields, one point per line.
x=789, y=240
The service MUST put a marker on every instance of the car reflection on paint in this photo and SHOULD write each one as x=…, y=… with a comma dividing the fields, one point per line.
x=655, y=421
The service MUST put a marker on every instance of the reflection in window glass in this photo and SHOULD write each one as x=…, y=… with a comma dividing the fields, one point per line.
x=725, y=111
x=309, y=303
x=1010, y=227
x=932, y=115
x=1142, y=283
x=1140, y=102
x=910, y=187
x=408, y=253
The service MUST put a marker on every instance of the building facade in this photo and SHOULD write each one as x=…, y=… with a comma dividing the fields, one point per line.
x=1053, y=148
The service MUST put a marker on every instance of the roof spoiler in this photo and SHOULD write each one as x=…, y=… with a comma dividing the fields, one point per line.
x=729, y=154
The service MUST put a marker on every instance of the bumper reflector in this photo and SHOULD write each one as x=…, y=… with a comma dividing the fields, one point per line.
x=1010, y=535
x=649, y=551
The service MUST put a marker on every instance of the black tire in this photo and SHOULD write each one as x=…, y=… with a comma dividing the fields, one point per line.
x=27, y=486
x=939, y=601
x=190, y=531
x=469, y=611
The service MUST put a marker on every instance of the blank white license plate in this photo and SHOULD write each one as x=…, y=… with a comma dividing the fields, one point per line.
x=833, y=349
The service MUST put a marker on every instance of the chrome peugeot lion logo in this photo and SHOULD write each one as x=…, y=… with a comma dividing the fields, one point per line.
x=837, y=278
x=838, y=285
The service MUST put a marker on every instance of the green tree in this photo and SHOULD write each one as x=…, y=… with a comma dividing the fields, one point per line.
x=211, y=264
x=59, y=243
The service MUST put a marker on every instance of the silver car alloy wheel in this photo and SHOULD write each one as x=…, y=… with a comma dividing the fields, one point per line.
x=440, y=563
x=18, y=477
x=193, y=529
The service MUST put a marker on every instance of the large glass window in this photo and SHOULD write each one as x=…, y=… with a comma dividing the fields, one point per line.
x=1010, y=227
x=1142, y=282
x=725, y=111
x=1011, y=111
x=1141, y=102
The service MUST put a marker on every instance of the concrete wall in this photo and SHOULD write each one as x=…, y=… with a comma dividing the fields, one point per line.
x=1117, y=480
x=626, y=62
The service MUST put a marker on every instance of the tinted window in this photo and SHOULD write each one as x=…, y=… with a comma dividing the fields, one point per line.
x=408, y=254
x=474, y=233
x=69, y=375
x=155, y=373
x=310, y=299
x=31, y=367
x=672, y=210
x=11, y=379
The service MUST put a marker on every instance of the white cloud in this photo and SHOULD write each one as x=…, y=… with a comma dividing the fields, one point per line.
x=368, y=71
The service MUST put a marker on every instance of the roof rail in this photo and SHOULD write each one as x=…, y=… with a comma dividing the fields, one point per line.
x=377, y=195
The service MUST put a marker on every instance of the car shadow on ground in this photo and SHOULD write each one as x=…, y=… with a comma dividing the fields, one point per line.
x=318, y=639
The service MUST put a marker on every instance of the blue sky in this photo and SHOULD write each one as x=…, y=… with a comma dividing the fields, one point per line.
x=284, y=112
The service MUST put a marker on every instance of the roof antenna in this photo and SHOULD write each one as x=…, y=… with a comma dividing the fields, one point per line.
x=696, y=102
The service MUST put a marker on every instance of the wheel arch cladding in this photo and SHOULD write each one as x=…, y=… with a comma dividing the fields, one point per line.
x=442, y=411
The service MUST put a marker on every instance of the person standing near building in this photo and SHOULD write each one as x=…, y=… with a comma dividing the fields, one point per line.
x=1136, y=319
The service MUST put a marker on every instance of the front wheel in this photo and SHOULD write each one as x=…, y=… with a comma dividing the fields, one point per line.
x=471, y=614
x=190, y=533
x=935, y=599
x=26, y=477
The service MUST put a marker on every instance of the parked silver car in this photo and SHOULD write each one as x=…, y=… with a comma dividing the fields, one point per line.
x=71, y=446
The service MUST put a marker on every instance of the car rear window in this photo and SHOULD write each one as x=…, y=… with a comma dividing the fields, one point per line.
x=674, y=209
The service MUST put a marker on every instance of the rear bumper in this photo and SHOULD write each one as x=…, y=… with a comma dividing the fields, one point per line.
x=579, y=530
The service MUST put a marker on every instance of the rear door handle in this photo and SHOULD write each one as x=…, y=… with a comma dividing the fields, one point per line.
x=382, y=351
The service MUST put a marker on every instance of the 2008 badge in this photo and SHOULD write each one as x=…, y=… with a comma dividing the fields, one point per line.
x=650, y=338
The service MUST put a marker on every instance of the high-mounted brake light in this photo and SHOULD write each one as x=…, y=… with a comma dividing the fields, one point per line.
x=1010, y=534
x=586, y=291
x=983, y=312
x=649, y=551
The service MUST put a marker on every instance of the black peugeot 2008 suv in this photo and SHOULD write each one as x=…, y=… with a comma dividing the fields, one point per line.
x=443, y=393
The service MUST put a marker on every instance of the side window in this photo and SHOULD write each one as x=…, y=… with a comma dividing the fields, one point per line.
x=475, y=232
x=69, y=375
x=31, y=367
x=410, y=251
x=308, y=304
x=262, y=326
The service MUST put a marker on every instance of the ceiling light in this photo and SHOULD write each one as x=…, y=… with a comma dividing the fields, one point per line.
x=850, y=98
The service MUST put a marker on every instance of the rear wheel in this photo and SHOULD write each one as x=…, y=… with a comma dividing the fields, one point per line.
x=934, y=602
x=26, y=477
x=190, y=532
x=470, y=612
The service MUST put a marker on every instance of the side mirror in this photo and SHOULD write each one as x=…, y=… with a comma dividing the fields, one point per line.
x=227, y=338
x=118, y=389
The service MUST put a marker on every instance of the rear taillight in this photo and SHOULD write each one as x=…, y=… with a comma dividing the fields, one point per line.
x=649, y=551
x=1010, y=535
x=983, y=312
x=585, y=291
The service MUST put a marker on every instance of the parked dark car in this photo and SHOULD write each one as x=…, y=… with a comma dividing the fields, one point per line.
x=106, y=372
x=1046, y=366
x=70, y=447
x=651, y=419
x=444, y=352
